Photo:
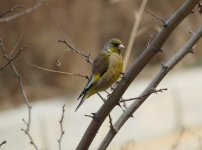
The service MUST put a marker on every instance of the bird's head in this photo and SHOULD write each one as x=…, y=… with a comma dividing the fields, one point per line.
x=114, y=46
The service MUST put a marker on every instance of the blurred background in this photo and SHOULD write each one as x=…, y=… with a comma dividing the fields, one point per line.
x=87, y=25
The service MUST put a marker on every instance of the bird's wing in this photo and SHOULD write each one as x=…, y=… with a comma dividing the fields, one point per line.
x=100, y=64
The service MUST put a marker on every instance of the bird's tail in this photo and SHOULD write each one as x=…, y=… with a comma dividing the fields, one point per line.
x=87, y=92
x=85, y=96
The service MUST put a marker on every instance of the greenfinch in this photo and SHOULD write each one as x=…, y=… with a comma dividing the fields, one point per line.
x=107, y=68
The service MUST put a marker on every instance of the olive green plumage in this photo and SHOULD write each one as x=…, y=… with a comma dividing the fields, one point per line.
x=107, y=68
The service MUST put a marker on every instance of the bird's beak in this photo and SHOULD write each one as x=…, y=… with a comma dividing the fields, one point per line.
x=121, y=46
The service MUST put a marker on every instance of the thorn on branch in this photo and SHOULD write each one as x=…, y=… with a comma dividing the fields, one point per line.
x=164, y=66
x=192, y=50
x=158, y=49
x=111, y=125
x=2, y=143
x=93, y=116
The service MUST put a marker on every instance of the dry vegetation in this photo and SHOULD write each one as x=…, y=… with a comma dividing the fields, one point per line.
x=87, y=24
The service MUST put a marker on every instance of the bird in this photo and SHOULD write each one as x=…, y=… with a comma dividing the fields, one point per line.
x=107, y=68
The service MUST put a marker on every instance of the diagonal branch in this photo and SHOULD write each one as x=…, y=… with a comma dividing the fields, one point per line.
x=84, y=55
x=11, y=10
x=187, y=48
x=22, y=13
x=2, y=143
x=12, y=58
x=132, y=73
x=60, y=72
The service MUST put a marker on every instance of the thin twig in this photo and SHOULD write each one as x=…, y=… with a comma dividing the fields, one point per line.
x=25, y=12
x=60, y=72
x=86, y=56
x=27, y=123
x=111, y=124
x=11, y=10
x=179, y=137
x=2, y=143
x=12, y=58
x=140, y=97
x=157, y=17
x=62, y=132
x=138, y=16
x=110, y=118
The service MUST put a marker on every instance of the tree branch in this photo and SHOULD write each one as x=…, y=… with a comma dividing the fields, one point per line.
x=187, y=48
x=136, y=68
x=25, y=12
x=157, y=17
x=12, y=58
x=2, y=143
x=10, y=10
x=61, y=127
x=60, y=72
x=137, y=19
x=27, y=123
x=84, y=55
x=140, y=97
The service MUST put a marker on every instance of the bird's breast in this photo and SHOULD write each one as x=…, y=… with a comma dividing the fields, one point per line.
x=116, y=63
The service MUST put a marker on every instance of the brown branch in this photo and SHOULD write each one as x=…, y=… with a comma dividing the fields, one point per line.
x=61, y=127
x=140, y=97
x=132, y=73
x=17, y=74
x=179, y=137
x=11, y=10
x=84, y=55
x=25, y=12
x=200, y=7
x=157, y=17
x=153, y=84
x=60, y=72
x=2, y=143
x=12, y=58
x=137, y=19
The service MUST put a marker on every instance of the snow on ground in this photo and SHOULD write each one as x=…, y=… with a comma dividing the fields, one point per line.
x=160, y=115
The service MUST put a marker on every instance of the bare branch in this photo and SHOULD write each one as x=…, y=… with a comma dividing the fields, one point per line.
x=61, y=127
x=12, y=58
x=157, y=79
x=2, y=143
x=25, y=12
x=11, y=10
x=60, y=72
x=157, y=17
x=138, y=16
x=140, y=97
x=27, y=123
x=132, y=73
x=86, y=56
x=179, y=137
